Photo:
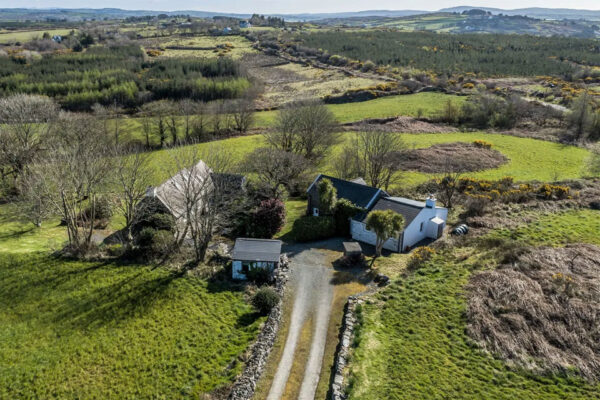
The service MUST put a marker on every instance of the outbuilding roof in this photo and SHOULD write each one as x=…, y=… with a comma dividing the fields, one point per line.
x=359, y=194
x=257, y=250
x=408, y=208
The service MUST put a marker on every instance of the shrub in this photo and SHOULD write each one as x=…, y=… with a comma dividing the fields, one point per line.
x=264, y=300
x=344, y=210
x=258, y=275
x=310, y=228
x=162, y=243
x=476, y=206
x=419, y=257
x=145, y=236
x=157, y=221
x=482, y=144
x=267, y=219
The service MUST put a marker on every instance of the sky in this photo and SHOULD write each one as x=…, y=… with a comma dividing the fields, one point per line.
x=293, y=6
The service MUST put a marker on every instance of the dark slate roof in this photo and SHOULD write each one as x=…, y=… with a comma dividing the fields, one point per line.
x=358, y=194
x=229, y=182
x=257, y=250
x=409, y=209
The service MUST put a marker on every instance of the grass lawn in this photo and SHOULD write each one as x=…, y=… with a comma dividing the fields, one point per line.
x=529, y=159
x=412, y=345
x=71, y=329
x=391, y=106
x=412, y=341
x=102, y=330
x=557, y=229
x=295, y=208
x=428, y=103
x=25, y=36
x=18, y=236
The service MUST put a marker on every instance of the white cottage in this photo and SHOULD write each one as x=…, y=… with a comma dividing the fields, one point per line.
x=254, y=253
x=423, y=220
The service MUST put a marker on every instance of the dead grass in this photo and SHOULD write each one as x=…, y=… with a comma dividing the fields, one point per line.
x=292, y=387
x=456, y=157
x=401, y=124
x=542, y=312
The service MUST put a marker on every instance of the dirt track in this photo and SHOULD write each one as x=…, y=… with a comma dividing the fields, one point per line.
x=311, y=282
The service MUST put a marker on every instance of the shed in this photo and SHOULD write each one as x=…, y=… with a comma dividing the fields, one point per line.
x=352, y=249
x=254, y=253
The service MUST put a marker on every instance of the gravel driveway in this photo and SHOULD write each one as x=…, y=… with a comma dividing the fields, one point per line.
x=310, y=279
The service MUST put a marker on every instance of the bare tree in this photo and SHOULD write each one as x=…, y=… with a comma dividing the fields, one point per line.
x=594, y=161
x=111, y=117
x=132, y=176
x=276, y=170
x=201, y=204
x=72, y=175
x=158, y=111
x=581, y=117
x=242, y=111
x=447, y=183
x=25, y=122
x=147, y=125
x=188, y=110
x=306, y=128
x=373, y=155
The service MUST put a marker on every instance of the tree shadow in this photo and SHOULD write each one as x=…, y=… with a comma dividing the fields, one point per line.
x=113, y=303
x=245, y=320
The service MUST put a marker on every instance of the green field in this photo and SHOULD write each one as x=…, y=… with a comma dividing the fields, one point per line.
x=429, y=104
x=104, y=330
x=412, y=342
x=530, y=159
x=24, y=36
x=557, y=229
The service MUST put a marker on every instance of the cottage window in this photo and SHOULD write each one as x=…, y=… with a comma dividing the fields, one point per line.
x=422, y=224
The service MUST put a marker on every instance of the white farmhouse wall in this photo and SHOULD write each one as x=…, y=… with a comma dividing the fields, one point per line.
x=413, y=233
x=359, y=232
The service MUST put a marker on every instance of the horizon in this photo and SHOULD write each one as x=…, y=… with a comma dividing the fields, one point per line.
x=289, y=7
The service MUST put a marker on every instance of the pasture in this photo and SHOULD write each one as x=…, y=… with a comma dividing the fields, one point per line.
x=412, y=339
x=25, y=36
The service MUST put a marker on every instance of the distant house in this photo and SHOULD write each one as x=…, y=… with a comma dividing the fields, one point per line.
x=254, y=253
x=245, y=24
x=356, y=191
x=422, y=220
x=168, y=196
x=227, y=30
x=57, y=38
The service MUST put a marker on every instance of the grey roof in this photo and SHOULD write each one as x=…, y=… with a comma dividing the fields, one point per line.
x=358, y=180
x=257, y=250
x=171, y=192
x=409, y=209
x=359, y=194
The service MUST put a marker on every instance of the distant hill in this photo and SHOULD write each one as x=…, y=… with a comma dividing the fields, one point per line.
x=535, y=12
x=23, y=14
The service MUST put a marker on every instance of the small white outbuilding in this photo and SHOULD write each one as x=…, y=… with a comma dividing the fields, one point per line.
x=254, y=253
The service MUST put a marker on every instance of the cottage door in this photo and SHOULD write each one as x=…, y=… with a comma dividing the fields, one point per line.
x=440, y=231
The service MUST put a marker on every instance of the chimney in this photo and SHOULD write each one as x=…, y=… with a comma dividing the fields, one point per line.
x=430, y=202
x=151, y=192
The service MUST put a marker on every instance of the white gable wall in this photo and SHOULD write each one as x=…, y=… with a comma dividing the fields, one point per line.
x=412, y=233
